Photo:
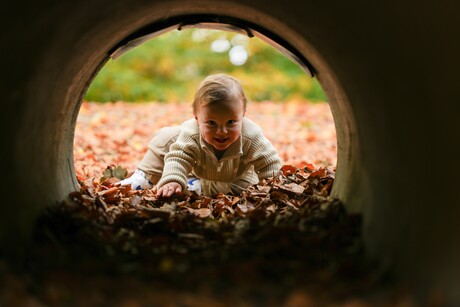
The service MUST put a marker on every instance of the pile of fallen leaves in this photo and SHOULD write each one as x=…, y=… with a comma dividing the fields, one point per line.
x=283, y=242
x=135, y=219
x=285, y=233
x=294, y=189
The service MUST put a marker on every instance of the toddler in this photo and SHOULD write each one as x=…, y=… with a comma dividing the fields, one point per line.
x=220, y=150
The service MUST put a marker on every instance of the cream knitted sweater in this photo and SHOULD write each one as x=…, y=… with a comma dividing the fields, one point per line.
x=251, y=154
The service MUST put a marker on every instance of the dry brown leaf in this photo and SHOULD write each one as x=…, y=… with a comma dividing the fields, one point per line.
x=202, y=212
x=292, y=188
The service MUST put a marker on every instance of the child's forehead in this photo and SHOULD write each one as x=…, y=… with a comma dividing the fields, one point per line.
x=222, y=108
x=232, y=103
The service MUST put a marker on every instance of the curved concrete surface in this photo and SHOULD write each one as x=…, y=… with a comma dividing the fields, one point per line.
x=389, y=69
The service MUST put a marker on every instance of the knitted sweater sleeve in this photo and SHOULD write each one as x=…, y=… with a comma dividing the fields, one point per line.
x=180, y=160
x=263, y=155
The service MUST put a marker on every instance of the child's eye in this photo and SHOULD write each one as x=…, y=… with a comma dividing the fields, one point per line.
x=231, y=122
x=211, y=122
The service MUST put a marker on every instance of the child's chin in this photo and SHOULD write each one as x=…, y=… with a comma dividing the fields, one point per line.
x=219, y=146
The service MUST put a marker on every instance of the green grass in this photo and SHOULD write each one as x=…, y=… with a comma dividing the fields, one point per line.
x=170, y=67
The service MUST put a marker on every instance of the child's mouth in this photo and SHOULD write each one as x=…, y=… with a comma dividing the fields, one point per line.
x=221, y=140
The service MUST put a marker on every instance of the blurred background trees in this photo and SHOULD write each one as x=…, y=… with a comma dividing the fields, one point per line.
x=169, y=68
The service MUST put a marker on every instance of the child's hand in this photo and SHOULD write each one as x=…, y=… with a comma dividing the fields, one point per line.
x=169, y=189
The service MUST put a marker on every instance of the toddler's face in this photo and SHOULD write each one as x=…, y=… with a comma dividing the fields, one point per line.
x=220, y=123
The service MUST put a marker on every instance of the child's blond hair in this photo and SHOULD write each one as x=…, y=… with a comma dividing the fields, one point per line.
x=218, y=88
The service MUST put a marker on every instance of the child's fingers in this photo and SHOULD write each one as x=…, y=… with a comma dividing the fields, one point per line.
x=169, y=189
x=178, y=189
x=163, y=192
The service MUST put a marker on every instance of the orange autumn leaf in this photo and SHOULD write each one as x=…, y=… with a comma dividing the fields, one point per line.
x=288, y=170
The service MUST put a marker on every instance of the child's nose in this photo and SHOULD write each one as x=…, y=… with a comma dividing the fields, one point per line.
x=222, y=130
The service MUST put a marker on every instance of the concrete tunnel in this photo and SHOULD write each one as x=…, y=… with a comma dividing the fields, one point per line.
x=389, y=70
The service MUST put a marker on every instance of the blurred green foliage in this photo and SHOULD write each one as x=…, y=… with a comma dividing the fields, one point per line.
x=169, y=68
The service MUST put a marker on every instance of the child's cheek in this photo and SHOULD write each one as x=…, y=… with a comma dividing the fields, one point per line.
x=236, y=129
x=208, y=131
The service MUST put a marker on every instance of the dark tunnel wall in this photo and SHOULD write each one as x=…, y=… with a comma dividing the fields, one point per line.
x=390, y=71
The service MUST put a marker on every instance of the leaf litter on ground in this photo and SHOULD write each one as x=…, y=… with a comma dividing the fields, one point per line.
x=283, y=237
x=118, y=133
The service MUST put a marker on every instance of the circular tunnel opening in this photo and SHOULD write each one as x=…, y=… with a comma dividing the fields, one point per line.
x=231, y=221
x=163, y=74
x=344, y=123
